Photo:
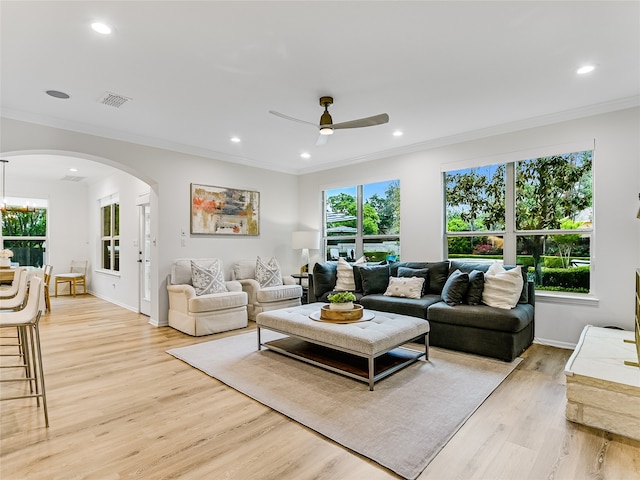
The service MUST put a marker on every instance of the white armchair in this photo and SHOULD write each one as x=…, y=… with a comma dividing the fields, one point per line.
x=203, y=314
x=264, y=299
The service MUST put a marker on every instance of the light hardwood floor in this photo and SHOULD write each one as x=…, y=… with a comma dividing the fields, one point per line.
x=120, y=408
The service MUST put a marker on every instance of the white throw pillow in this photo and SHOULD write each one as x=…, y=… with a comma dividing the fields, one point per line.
x=207, y=276
x=408, y=287
x=345, y=281
x=502, y=288
x=268, y=273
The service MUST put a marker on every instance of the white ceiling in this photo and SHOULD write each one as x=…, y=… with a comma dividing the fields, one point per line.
x=200, y=72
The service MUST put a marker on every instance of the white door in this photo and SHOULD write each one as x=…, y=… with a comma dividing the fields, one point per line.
x=144, y=259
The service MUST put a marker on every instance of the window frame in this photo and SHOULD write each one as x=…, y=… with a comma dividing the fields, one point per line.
x=26, y=205
x=510, y=234
x=113, y=238
x=358, y=238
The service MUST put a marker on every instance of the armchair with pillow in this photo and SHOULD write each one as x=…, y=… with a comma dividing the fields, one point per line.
x=201, y=302
x=266, y=287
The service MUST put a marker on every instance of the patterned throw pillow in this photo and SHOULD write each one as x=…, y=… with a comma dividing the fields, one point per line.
x=268, y=273
x=408, y=287
x=208, y=277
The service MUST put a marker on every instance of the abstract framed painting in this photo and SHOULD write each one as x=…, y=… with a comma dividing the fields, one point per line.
x=224, y=211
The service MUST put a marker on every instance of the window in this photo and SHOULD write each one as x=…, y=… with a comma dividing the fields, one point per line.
x=110, y=235
x=24, y=230
x=363, y=220
x=536, y=212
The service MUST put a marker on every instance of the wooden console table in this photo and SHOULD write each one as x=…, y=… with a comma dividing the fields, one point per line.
x=602, y=391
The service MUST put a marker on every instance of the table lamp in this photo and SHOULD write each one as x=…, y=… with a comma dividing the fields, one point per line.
x=305, y=241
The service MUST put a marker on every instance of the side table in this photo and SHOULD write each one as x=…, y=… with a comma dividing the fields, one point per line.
x=305, y=285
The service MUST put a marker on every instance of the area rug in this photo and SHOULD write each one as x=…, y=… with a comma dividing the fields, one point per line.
x=402, y=424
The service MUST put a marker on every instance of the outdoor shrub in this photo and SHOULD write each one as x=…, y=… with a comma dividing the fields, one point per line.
x=566, y=278
x=553, y=262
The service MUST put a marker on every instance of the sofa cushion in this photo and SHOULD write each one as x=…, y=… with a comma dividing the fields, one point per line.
x=482, y=316
x=455, y=288
x=278, y=293
x=475, y=289
x=268, y=273
x=345, y=281
x=502, y=288
x=408, y=287
x=207, y=276
x=438, y=273
x=414, y=307
x=217, y=301
x=416, y=272
x=374, y=278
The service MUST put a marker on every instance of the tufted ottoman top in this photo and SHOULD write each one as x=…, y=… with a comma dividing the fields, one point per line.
x=384, y=332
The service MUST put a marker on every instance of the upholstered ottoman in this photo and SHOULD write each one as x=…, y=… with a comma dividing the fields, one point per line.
x=378, y=340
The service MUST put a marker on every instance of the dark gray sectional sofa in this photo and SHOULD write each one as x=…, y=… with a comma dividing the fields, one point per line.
x=479, y=329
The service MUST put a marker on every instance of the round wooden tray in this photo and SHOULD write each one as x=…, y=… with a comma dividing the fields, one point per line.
x=358, y=314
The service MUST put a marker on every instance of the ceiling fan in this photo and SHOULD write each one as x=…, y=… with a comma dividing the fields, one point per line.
x=326, y=125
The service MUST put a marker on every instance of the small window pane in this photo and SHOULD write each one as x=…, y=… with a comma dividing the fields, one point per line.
x=106, y=221
x=475, y=248
x=341, y=211
x=116, y=219
x=381, y=214
x=378, y=250
x=550, y=190
x=560, y=262
x=116, y=255
x=106, y=254
x=345, y=248
x=475, y=199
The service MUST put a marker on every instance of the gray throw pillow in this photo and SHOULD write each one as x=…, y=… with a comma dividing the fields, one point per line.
x=416, y=272
x=476, y=285
x=455, y=288
x=375, y=278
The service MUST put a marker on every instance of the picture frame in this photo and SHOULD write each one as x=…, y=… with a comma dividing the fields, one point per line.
x=224, y=211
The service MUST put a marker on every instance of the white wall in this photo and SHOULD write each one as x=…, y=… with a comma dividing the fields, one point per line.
x=121, y=288
x=170, y=174
x=616, y=175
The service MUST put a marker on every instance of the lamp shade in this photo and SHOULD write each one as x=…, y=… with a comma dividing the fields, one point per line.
x=309, y=239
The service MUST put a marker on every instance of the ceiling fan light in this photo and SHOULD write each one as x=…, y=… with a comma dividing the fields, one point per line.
x=326, y=131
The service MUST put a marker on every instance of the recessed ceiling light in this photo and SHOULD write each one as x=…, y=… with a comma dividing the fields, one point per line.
x=585, y=69
x=398, y=133
x=101, y=28
x=305, y=155
x=235, y=139
x=73, y=169
x=57, y=94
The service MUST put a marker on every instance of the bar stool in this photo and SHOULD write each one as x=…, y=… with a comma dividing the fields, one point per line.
x=12, y=290
x=17, y=301
x=27, y=322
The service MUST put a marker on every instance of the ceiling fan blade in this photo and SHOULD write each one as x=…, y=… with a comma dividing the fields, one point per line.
x=287, y=117
x=363, y=122
x=322, y=140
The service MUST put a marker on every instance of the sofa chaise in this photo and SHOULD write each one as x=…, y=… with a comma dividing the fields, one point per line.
x=477, y=328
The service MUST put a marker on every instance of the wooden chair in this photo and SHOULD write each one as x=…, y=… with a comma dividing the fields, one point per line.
x=77, y=275
x=48, y=270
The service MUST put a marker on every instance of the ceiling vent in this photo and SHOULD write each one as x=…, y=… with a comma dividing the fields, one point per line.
x=72, y=178
x=113, y=99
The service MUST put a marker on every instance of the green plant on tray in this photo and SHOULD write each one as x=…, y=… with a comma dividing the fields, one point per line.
x=341, y=297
